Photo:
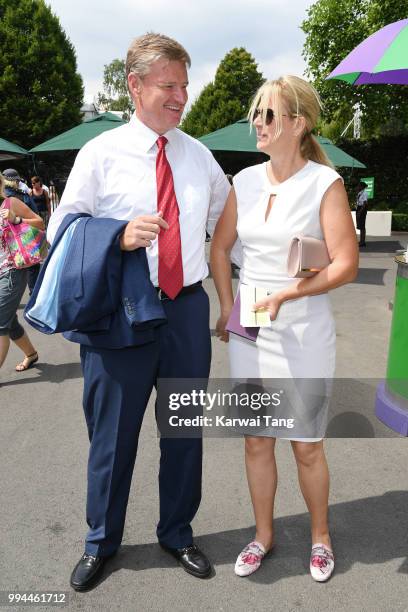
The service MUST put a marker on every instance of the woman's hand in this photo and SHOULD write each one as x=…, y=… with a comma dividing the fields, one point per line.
x=8, y=215
x=220, y=331
x=272, y=303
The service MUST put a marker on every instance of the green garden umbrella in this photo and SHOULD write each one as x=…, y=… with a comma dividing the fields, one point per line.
x=9, y=150
x=79, y=135
x=237, y=137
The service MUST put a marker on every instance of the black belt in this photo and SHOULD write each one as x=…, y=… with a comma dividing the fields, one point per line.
x=183, y=291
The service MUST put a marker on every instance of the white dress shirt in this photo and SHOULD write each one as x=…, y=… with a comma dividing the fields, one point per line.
x=24, y=187
x=362, y=198
x=114, y=176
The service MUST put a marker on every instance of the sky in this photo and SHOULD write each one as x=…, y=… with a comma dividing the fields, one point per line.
x=102, y=30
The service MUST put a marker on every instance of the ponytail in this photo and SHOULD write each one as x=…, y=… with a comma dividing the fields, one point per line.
x=311, y=149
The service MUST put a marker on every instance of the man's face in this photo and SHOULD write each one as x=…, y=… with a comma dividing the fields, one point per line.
x=160, y=96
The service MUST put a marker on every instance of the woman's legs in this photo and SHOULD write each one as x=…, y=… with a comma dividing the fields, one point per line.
x=23, y=343
x=12, y=285
x=4, y=347
x=31, y=356
x=262, y=481
x=313, y=475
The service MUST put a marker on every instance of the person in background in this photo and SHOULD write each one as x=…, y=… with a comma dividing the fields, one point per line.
x=22, y=185
x=41, y=199
x=12, y=182
x=15, y=187
x=13, y=283
x=361, y=212
x=54, y=198
x=296, y=192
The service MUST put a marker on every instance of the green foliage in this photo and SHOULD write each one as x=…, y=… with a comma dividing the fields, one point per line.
x=399, y=222
x=386, y=160
x=115, y=96
x=40, y=91
x=331, y=129
x=333, y=29
x=227, y=99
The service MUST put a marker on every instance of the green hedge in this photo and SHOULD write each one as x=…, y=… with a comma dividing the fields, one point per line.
x=399, y=222
x=386, y=160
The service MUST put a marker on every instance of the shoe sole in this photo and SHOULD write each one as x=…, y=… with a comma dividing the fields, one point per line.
x=88, y=587
x=246, y=575
x=93, y=582
x=193, y=573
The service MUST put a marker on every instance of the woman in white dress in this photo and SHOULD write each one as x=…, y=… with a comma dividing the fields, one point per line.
x=296, y=192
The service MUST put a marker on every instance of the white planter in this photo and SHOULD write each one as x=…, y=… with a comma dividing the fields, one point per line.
x=378, y=222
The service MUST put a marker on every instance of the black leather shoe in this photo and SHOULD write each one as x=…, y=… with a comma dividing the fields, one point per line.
x=191, y=559
x=87, y=572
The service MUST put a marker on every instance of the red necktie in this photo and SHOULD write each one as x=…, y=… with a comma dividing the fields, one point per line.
x=170, y=262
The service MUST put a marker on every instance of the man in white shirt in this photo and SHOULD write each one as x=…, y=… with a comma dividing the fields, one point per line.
x=361, y=212
x=170, y=188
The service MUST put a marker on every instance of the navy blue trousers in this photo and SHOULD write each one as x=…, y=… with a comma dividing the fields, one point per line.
x=117, y=387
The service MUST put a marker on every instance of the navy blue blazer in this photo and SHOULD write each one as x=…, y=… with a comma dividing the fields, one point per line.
x=105, y=296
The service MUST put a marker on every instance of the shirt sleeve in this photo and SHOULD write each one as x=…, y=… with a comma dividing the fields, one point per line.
x=220, y=188
x=362, y=198
x=81, y=193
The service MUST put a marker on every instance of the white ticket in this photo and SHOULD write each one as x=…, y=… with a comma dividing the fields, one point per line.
x=248, y=318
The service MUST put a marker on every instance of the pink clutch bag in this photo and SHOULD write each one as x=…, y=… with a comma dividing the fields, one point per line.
x=307, y=256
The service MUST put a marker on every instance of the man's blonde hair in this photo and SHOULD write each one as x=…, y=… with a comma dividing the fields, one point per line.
x=301, y=99
x=147, y=49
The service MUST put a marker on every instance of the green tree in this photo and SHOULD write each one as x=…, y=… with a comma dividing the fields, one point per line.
x=115, y=96
x=333, y=29
x=40, y=91
x=227, y=98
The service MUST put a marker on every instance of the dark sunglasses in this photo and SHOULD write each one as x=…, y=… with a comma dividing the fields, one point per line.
x=270, y=115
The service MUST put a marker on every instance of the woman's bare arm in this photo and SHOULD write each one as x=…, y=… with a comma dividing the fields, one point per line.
x=340, y=238
x=222, y=242
x=47, y=202
x=27, y=215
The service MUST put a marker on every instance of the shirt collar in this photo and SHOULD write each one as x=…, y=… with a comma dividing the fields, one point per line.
x=145, y=137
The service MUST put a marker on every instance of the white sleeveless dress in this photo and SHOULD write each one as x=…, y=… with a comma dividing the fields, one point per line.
x=300, y=344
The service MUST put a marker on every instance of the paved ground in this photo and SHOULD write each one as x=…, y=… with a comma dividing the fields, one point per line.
x=43, y=451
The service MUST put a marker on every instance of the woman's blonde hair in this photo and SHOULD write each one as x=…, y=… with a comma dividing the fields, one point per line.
x=301, y=100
